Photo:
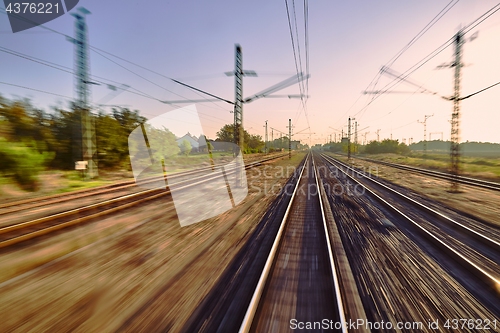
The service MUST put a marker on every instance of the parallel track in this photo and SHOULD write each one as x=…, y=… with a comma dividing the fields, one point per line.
x=442, y=175
x=20, y=232
x=300, y=265
x=482, y=260
x=27, y=204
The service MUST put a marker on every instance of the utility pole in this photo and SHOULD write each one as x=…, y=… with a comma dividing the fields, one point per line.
x=430, y=135
x=88, y=145
x=425, y=131
x=265, y=141
x=289, y=138
x=455, y=116
x=378, y=137
x=355, y=137
x=238, y=98
x=366, y=133
x=349, y=139
x=272, y=136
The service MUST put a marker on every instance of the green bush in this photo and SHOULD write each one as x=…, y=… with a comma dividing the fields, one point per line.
x=22, y=162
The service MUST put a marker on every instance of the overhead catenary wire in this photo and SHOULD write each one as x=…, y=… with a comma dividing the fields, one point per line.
x=68, y=70
x=480, y=91
x=433, y=21
x=96, y=49
x=434, y=53
x=301, y=86
x=298, y=43
x=34, y=89
x=449, y=42
x=306, y=37
x=100, y=50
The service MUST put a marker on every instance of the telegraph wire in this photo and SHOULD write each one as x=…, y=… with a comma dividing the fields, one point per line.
x=61, y=68
x=34, y=89
x=95, y=48
x=469, y=28
x=298, y=43
x=293, y=46
x=480, y=91
x=404, y=49
x=306, y=29
x=440, y=49
x=422, y=32
x=426, y=28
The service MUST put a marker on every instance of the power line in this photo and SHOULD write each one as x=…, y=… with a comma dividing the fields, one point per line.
x=494, y=9
x=62, y=68
x=298, y=42
x=410, y=71
x=42, y=62
x=294, y=55
x=95, y=49
x=434, y=20
x=480, y=91
x=440, y=49
x=429, y=25
x=38, y=90
x=306, y=29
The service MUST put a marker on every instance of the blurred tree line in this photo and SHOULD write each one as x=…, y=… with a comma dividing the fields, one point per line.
x=374, y=147
x=387, y=146
x=32, y=139
x=253, y=143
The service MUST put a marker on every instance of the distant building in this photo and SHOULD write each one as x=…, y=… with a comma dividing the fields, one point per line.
x=191, y=139
x=295, y=145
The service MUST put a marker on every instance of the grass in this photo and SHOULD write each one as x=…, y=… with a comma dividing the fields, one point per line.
x=482, y=167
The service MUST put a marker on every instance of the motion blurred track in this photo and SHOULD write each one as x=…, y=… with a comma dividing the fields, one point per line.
x=442, y=175
x=15, y=228
x=405, y=262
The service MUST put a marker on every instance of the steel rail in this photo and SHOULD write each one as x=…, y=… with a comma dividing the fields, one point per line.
x=490, y=279
x=254, y=302
x=338, y=294
x=137, y=197
x=16, y=206
x=438, y=174
x=247, y=322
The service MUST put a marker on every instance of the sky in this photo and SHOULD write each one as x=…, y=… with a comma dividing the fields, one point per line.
x=348, y=42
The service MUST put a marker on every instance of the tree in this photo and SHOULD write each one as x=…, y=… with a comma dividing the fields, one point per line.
x=23, y=162
x=252, y=143
x=186, y=147
x=387, y=146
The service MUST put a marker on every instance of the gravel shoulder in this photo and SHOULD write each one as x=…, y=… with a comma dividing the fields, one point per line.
x=150, y=263
x=473, y=201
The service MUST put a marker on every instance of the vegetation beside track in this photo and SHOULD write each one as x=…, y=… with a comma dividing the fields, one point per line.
x=479, y=167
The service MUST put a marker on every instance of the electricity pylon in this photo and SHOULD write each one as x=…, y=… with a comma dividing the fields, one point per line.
x=455, y=116
x=89, y=151
x=425, y=131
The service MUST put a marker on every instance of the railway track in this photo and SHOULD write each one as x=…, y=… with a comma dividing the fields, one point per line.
x=476, y=248
x=31, y=203
x=437, y=174
x=299, y=283
x=20, y=232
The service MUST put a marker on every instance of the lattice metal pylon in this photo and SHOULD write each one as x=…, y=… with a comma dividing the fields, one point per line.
x=238, y=99
x=455, y=116
x=425, y=132
x=349, y=139
x=289, y=138
x=89, y=151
